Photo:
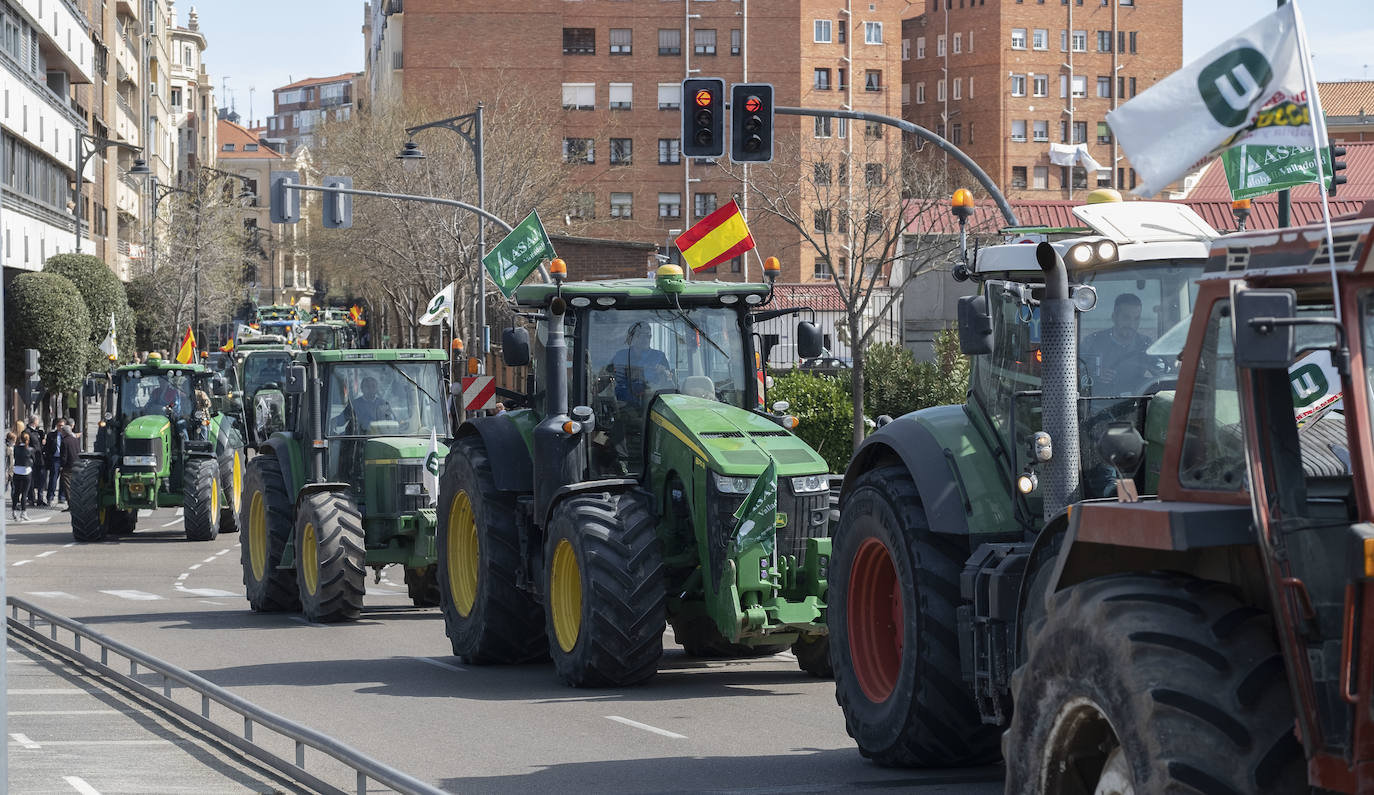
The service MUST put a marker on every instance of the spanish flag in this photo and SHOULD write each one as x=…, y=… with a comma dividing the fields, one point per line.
x=719, y=237
x=186, y=354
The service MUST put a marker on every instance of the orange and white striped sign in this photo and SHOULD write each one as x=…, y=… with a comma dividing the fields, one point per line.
x=479, y=392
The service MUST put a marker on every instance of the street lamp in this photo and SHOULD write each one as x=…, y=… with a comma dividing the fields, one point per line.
x=468, y=127
x=87, y=146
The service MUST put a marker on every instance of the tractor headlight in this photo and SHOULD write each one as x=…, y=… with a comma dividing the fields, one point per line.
x=140, y=460
x=727, y=484
x=809, y=484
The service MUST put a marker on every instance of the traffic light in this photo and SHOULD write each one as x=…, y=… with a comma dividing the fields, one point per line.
x=33, y=384
x=286, y=203
x=751, y=122
x=337, y=207
x=1337, y=166
x=703, y=133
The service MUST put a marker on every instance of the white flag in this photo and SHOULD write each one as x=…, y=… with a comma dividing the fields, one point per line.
x=110, y=345
x=1249, y=88
x=440, y=307
x=432, y=464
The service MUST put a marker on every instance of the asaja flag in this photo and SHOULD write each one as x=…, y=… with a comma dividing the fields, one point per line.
x=719, y=237
x=186, y=354
x=518, y=254
x=432, y=464
x=1249, y=89
x=1253, y=170
x=439, y=307
x=756, y=519
x=110, y=345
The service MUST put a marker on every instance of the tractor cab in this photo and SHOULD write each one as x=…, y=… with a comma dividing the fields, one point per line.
x=262, y=365
x=327, y=336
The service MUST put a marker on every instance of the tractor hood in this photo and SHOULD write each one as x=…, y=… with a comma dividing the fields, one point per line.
x=150, y=427
x=731, y=440
x=400, y=449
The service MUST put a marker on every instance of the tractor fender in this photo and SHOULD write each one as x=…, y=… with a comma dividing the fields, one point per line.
x=613, y=485
x=512, y=469
x=279, y=447
x=224, y=437
x=937, y=479
x=316, y=488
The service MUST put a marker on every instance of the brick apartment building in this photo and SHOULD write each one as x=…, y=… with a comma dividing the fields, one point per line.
x=1006, y=79
x=299, y=107
x=610, y=73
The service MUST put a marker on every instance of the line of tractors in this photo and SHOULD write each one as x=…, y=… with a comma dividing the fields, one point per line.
x=1136, y=560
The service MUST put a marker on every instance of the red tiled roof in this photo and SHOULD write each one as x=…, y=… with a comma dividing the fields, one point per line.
x=315, y=81
x=238, y=135
x=1347, y=97
x=820, y=296
x=1264, y=211
x=1359, y=174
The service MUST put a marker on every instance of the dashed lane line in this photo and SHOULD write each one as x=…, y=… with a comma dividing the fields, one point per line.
x=173, y=522
x=51, y=594
x=444, y=665
x=136, y=596
x=207, y=592
x=79, y=784
x=181, y=511
x=646, y=727
x=20, y=563
x=24, y=742
x=45, y=554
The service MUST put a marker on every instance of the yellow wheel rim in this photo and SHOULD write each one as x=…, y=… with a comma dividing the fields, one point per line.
x=565, y=595
x=236, y=484
x=463, y=553
x=257, y=535
x=214, y=500
x=310, y=558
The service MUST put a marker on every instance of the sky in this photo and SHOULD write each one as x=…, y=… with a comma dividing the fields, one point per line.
x=265, y=44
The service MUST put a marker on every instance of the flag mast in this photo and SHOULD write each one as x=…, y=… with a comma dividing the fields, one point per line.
x=1318, y=124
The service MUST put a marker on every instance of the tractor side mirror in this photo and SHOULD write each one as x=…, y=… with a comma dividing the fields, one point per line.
x=1122, y=446
x=975, y=326
x=219, y=388
x=808, y=340
x=295, y=380
x=1263, y=340
x=515, y=347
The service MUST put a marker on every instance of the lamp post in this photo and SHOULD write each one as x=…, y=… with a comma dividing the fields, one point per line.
x=87, y=146
x=468, y=127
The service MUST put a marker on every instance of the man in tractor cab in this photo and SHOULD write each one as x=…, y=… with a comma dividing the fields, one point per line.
x=364, y=409
x=1117, y=354
x=637, y=367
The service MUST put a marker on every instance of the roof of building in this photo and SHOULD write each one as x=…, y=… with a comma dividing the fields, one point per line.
x=230, y=133
x=1359, y=174
x=1347, y=97
x=315, y=81
x=820, y=296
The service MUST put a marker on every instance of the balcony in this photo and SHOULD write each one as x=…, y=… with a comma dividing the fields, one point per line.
x=126, y=124
x=125, y=55
x=127, y=197
x=127, y=8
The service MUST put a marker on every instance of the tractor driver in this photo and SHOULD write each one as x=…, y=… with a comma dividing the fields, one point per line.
x=1119, y=351
x=365, y=408
x=637, y=367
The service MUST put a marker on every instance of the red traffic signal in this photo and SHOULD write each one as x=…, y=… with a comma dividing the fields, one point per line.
x=753, y=104
x=704, y=98
x=703, y=133
x=751, y=122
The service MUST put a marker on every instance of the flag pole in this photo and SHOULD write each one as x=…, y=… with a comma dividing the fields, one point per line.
x=1318, y=124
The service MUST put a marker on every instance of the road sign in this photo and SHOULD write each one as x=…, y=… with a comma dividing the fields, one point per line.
x=751, y=122
x=479, y=392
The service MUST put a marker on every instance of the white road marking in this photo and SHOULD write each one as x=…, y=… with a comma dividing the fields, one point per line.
x=21, y=562
x=144, y=512
x=70, y=712
x=24, y=742
x=137, y=596
x=173, y=522
x=574, y=698
x=383, y=592
x=222, y=551
x=210, y=559
x=181, y=511
x=194, y=566
x=45, y=554
x=183, y=575
x=47, y=743
x=39, y=520
x=52, y=594
x=437, y=664
x=646, y=727
x=205, y=591
x=79, y=784
x=69, y=546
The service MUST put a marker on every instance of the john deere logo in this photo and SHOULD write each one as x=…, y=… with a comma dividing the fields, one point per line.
x=1231, y=84
x=1309, y=385
x=432, y=463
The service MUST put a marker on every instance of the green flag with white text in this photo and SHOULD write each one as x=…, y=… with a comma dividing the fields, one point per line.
x=511, y=260
x=1257, y=170
x=757, y=516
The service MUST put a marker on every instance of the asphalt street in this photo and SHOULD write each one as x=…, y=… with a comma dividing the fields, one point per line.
x=389, y=686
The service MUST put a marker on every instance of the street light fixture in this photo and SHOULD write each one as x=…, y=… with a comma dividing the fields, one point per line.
x=410, y=153
x=87, y=146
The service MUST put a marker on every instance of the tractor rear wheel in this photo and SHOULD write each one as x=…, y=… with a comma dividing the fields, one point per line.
x=88, y=515
x=267, y=523
x=331, y=557
x=813, y=655
x=699, y=637
x=423, y=586
x=488, y=618
x=231, y=481
x=603, y=578
x=201, y=496
x=894, y=590
x=1141, y=683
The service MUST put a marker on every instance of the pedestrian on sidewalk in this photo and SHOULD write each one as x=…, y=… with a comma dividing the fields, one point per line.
x=52, y=458
x=23, y=468
x=9, y=460
x=38, y=464
x=71, y=458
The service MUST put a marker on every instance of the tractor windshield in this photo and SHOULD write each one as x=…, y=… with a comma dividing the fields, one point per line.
x=384, y=398
x=264, y=368
x=322, y=337
x=145, y=393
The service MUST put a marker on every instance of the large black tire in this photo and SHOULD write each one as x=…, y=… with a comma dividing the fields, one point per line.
x=231, y=463
x=700, y=637
x=88, y=516
x=120, y=523
x=813, y=656
x=331, y=554
x=894, y=590
x=268, y=522
x=488, y=618
x=1153, y=683
x=603, y=580
x=201, y=497
x=422, y=585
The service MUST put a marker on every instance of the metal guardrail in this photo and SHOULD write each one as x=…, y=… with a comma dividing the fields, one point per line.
x=365, y=768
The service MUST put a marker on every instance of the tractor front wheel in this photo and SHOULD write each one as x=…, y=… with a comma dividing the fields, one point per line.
x=423, y=586
x=813, y=655
x=331, y=574
x=231, y=481
x=603, y=578
x=202, y=499
x=120, y=523
x=266, y=519
x=88, y=515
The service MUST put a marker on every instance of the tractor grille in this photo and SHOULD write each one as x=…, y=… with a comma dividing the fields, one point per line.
x=407, y=503
x=808, y=516
x=152, y=447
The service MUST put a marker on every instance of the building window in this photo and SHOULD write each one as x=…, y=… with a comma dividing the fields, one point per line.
x=841, y=32
x=1104, y=178
x=873, y=129
x=669, y=205
x=669, y=42
x=668, y=152
x=669, y=96
x=1080, y=132
x=703, y=204
x=621, y=204
x=736, y=41
x=873, y=174
x=1018, y=176
x=227, y=148
x=581, y=205
x=958, y=43
x=821, y=31
x=822, y=127
x=1080, y=41
x=1040, y=39
x=1064, y=131
x=176, y=98
x=1104, y=87
x=873, y=33
x=873, y=80
x=1042, y=178
x=1080, y=85
x=920, y=93
x=250, y=148
x=621, y=41
x=820, y=173
x=579, y=96
x=1018, y=38
x=621, y=150
x=920, y=47
x=820, y=221
x=822, y=79
x=1018, y=85
x=581, y=151
x=958, y=88
x=579, y=41
x=1018, y=130
x=704, y=42
x=1040, y=85
x=1132, y=47
x=821, y=270
x=1041, y=129
x=940, y=90
x=1080, y=177
x=957, y=131
x=906, y=49
x=1104, y=41
x=841, y=83
x=1132, y=86
x=842, y=128
x=940, y=46
x=622, y=96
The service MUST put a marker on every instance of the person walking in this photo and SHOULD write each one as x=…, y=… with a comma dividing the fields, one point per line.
x=38, y=464
x=9, y=460
x=52, y=458
x=71, y=458
x=23, y=468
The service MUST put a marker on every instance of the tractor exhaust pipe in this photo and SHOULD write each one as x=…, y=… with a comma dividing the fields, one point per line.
x=1059, y=381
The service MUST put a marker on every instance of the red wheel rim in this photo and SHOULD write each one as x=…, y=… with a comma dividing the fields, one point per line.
x=875, y=620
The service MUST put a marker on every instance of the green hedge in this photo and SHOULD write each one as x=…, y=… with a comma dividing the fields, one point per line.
x=103, y=294
x=44, y=311
x=896, y=384
x=825, y=411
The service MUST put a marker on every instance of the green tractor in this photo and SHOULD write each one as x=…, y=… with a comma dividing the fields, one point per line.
x=170, y=437
x=262, y=363
x=347, y=484
x=328, y=335
x=666, y=495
